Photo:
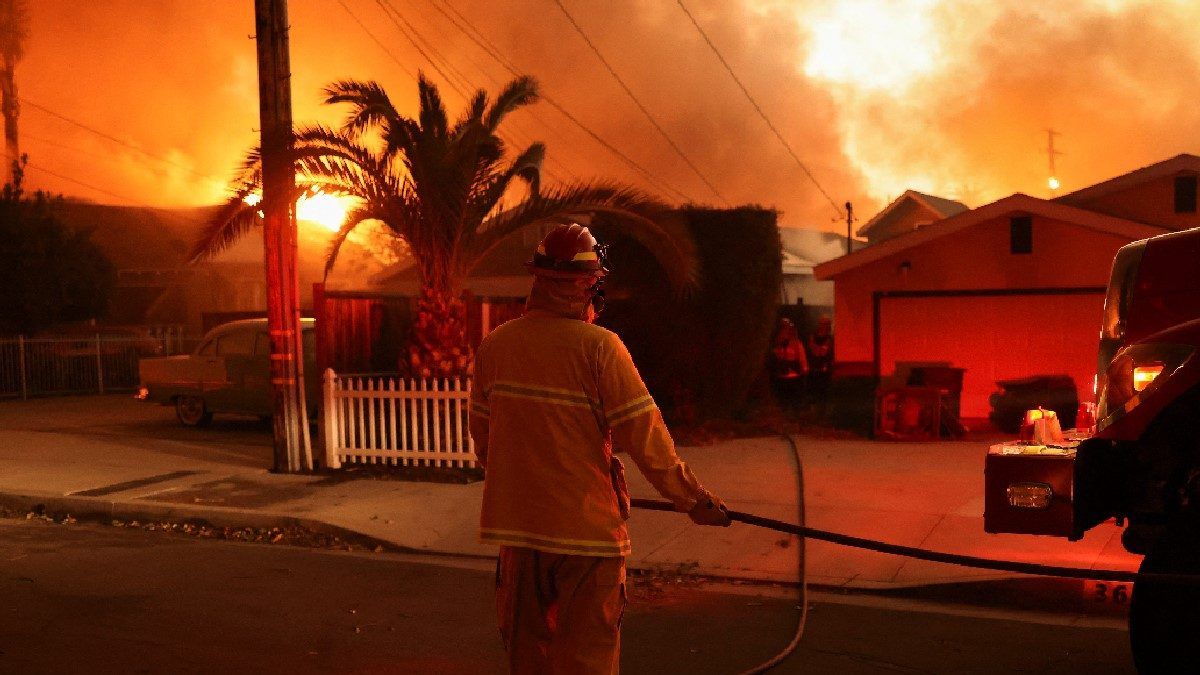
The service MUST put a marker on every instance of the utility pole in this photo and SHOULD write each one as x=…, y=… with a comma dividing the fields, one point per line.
x=14, y=29
x=1053, y=182
x=293, y=453
x=849, y=228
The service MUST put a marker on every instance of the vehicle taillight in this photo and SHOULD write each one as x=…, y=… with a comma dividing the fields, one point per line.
x=1136, y=371
x=1144, y=375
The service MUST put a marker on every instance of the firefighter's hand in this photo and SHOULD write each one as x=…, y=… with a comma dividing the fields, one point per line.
x=710, y=510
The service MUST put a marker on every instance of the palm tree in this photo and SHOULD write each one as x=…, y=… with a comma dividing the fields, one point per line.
x=14, y=29
x=439, y=187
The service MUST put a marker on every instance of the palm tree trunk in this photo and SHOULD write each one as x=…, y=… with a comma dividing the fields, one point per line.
x=439, y=346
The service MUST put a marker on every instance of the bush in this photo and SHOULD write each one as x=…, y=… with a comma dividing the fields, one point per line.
x=700, y=354
x=49, y=272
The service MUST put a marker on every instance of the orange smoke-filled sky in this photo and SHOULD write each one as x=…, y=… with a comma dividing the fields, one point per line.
x=875, y=96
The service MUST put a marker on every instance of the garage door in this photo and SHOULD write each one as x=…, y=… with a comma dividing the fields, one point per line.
x=994, y=338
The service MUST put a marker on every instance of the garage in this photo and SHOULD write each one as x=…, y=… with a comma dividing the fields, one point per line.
x=994, y=335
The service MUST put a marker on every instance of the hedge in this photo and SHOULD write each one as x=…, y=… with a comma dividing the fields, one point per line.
x=700, y=354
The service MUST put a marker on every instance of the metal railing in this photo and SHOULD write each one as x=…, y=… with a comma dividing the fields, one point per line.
x=379, y=419
x=96, y=364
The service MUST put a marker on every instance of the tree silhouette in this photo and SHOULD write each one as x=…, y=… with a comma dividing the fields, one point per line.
x=439, y=186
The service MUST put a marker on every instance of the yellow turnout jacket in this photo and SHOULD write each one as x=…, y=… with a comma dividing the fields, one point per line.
x=551, y=398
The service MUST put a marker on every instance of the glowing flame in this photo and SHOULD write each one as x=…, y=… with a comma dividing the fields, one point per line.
x=328, y=211
x=873, y=44
x=1053, y=183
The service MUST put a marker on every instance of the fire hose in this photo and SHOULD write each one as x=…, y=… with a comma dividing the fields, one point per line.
x=805, y=532
x=938, y=556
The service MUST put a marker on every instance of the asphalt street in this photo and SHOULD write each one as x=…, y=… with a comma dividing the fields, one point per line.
x=99, y=599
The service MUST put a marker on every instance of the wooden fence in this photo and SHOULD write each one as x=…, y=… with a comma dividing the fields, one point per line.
x=375, y=419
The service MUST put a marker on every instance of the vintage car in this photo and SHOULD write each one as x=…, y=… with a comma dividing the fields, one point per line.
x=228, y=373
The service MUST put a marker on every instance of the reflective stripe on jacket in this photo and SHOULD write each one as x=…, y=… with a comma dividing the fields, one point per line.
x=549, y=394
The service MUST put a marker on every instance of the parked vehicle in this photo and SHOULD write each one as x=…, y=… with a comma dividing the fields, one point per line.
x=1142, y=465
x=229, y=372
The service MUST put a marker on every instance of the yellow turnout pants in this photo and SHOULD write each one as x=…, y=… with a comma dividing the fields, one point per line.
x=560, y=614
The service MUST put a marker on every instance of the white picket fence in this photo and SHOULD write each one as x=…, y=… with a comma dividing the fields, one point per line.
x=374, y=419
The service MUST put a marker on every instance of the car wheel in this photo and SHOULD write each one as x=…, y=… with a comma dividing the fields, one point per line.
x=192, y=412
x=1164, y=619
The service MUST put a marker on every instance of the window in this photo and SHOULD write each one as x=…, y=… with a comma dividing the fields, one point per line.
x=1185, y=194
x=262, y=344
x=236, y=343
x=1020, y=234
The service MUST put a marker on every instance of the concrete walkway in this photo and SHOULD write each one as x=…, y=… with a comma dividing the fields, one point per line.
x=116, y=456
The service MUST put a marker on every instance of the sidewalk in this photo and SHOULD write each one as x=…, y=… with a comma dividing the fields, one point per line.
x=112, y=456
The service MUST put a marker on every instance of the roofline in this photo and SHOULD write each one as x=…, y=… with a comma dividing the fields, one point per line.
x=261, y=321
x=1138, y=176
x=918, y=196
x=1013, y=203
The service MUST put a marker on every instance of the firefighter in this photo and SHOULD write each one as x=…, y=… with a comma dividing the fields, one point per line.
x=553, y=396
x=820, y=360
x=789, y=365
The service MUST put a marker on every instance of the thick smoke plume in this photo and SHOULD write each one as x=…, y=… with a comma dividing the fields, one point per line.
x=875, y=96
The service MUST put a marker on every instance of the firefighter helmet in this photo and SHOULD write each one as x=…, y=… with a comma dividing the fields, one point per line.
x=568, y=250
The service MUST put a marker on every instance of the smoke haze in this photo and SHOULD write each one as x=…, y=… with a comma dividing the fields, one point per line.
x=875, y=96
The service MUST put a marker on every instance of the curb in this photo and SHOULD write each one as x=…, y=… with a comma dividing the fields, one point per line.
x=104, y=511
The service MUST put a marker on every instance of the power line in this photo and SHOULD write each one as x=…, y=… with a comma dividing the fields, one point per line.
x=488, y=48
x=495, y=54
x=523, y=137
x=423, y=53
x=413, y=35
x=382, y=46
x=30, y=165
x=758, y=108
x=663, y=132
x=412, y=40
x=431, y=49
x=118, y=141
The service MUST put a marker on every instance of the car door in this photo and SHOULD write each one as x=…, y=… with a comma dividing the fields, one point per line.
x=236, y=349
x=204, y=371
x=257, y=380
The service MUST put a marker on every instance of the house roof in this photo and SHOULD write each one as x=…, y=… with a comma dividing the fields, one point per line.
x=135, y=237
x=1019, y=202
x=941, y=206
x=803, y=249
x=1167, y=167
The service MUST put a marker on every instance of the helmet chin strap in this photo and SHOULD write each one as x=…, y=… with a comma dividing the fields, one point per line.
x=597, y=300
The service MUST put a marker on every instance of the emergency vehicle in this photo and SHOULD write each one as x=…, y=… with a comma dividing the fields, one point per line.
x=1141, y=463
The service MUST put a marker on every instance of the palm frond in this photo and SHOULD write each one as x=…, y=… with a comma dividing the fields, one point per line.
x=320, y=141
x=227, y=225
x=354, y=218
x=432, y=115
x=520, y=92
x=491, y=188
x=631, y=210
x=370, y=105
x=473, y=114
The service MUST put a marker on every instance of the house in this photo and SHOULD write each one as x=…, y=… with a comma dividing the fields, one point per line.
x=157, y=287
x=1010, y=289
x=802, y=251
x=910, y=211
